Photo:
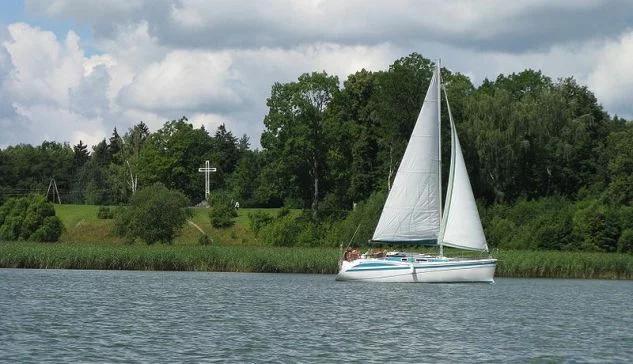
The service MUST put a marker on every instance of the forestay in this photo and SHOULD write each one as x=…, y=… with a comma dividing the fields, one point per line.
x=413, y=207
x=461, y=226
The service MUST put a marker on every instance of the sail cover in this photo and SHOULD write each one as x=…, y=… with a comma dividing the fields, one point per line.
x=412, y=210
x=461, y=226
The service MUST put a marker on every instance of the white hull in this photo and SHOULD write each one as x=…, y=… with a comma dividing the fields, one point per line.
x=452, y=271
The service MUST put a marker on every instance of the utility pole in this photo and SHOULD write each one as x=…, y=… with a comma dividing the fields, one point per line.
x=207, y=171
x=53, y=184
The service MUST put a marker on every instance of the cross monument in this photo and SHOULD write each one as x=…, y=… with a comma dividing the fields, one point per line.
x=207, y=171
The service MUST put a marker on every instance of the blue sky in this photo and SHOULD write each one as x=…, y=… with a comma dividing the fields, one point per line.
x=14, y=11
x=73, y=70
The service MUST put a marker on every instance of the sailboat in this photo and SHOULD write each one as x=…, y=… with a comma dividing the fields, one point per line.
x=413, y=214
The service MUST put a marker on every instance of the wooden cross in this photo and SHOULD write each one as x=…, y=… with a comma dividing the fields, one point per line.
x=207, y=171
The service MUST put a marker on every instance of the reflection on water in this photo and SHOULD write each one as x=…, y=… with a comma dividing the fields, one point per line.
x=114, y=316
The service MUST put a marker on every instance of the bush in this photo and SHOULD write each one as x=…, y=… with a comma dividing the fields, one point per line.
x=498, y=231
x=105, y=213
x=204, y=240
x=50, y=230
x=222, y=213
x=309, y=234
x=281, y=232
x=258, y=219
x=284, y=211
x=625, y=243
x=155, y=215
x=121, y=220
x=365, y=215
x=291, y=230
x=29, y=218
x=596, y=226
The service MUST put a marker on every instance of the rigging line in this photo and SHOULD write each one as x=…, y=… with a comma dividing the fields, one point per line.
x=353, y=235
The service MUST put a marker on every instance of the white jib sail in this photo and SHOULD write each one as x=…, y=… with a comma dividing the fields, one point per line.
x=412, y=210
x=461, y=226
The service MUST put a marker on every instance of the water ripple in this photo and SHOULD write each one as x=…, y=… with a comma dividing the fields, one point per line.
x=119, y=316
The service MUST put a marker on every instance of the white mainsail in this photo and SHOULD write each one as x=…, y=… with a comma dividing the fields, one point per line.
x=461, y=226
x=412, y=211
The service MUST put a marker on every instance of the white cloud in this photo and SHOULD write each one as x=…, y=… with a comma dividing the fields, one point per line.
x=187, y=81
x=516, y=26
x=612, y=77
x=43, y=68
x=216, y=61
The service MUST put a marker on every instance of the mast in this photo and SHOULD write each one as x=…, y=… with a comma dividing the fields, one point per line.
x=439, y=144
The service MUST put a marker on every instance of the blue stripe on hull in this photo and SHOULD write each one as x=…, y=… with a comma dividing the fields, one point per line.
x=394, y=267
x=379, y=268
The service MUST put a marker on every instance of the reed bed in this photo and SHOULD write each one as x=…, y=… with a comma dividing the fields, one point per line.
x=557, y=264
x=265, y=259
x=233, y=258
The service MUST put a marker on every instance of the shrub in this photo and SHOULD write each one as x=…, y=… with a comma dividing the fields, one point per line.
x=281, y=232
x=596, y=227
x=284, y=211
x=105, y=213
x=155, y=215
x=625, y=243
x=308, y=234
x=37, y=211
x=29, y=218
x=365, y=215
x=258, y=219
x=498, y=232
x=121, y=220
x=50, y=230
x=222, y=212
x=553, y=230
x=204, y=240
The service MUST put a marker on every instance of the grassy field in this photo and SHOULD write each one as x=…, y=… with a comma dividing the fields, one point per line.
x=88, y=243
x=82, y=226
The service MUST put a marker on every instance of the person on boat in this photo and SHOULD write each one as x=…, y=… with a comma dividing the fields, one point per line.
x=351, y=254
x=346, y=254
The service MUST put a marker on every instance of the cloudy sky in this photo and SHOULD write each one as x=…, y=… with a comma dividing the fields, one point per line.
x=74, y=69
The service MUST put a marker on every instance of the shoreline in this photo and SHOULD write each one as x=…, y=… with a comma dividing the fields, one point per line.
x=265, y=259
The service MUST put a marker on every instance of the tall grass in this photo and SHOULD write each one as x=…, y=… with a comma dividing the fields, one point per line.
x=266, y=259
x=557, y=264
x=230, y=258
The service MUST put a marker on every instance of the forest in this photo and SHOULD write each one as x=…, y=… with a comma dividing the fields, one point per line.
x=551, y=169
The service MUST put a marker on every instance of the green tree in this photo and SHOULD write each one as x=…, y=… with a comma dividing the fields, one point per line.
x=115, y=143
x=173, y=154
x=222, y=212
x=243, y=182
x=295, y=134
x=596, y=227
x=155, y=215
x=80, y=155
x=226, y=152
x=620, y=166
x=353, y=157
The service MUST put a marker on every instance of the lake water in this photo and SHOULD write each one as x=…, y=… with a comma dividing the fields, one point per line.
x=114, y=316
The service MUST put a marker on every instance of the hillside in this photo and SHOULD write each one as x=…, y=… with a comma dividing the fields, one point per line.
x=83, y=226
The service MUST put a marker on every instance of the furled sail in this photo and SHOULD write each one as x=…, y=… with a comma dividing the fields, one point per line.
x=461, y=226
x=413, y=207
